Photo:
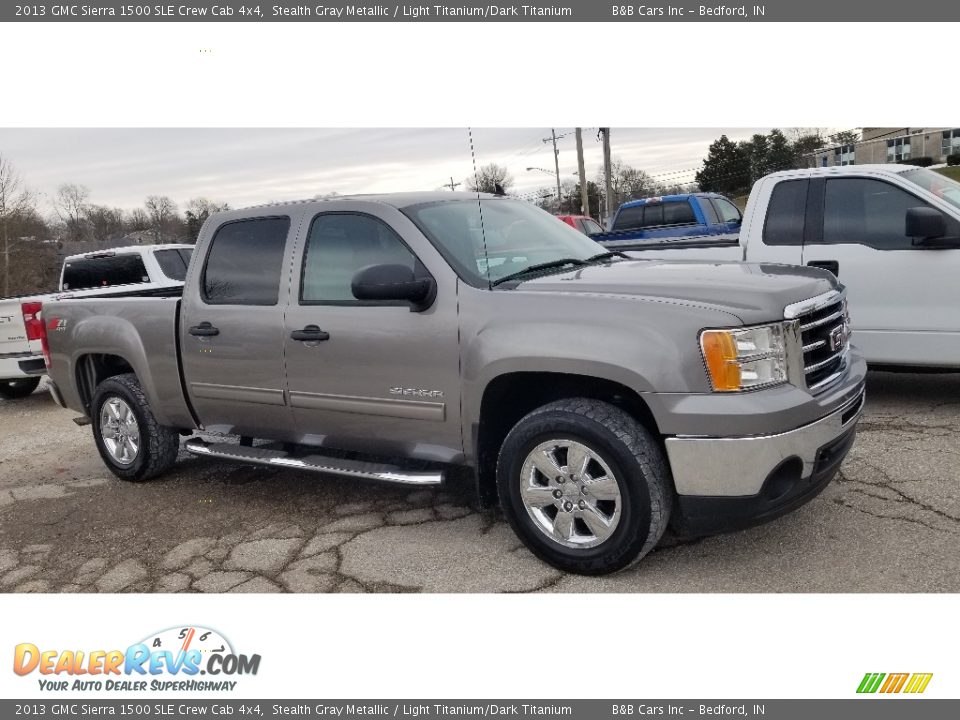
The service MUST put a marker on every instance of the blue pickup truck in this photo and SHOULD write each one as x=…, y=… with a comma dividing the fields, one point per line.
x=673, y=216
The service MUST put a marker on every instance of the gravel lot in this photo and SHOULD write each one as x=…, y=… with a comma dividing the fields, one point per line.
x=889, y=523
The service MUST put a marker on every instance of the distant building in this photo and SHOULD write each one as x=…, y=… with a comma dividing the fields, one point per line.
x=890, y=145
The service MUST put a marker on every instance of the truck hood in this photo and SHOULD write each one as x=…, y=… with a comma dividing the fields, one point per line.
x=754, y=292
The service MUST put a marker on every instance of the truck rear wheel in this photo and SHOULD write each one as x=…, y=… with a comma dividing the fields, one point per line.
x=18, y=387
x=585, y=486
x=130, y=440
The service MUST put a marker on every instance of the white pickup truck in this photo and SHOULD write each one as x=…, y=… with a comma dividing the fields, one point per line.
x=890, y=233
x=129, y=271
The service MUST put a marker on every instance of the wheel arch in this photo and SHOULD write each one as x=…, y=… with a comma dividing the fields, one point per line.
x=93, y=368
x=509, y=397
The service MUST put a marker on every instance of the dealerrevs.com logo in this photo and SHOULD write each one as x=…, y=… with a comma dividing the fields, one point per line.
x=892, y=683
x=172, y=659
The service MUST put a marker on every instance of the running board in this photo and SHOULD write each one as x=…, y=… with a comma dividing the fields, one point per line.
x=313, y=463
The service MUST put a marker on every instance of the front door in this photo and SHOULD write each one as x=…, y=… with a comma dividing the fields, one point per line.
x=903, y=297
x=231, y=329
x=365, y=375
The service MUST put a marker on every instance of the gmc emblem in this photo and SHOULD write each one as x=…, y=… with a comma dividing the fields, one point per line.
x=837, y=336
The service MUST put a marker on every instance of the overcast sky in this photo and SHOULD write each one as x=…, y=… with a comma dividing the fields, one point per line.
x=250, y=166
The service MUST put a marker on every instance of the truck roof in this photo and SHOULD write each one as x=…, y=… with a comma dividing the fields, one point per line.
x=668, y=198
x=890, y=168
x=397, y=200
x=141, y=249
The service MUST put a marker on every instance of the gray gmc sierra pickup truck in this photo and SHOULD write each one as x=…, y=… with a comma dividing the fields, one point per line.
x=395, y=337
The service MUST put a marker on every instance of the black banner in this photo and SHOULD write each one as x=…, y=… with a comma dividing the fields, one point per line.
x=872, y=708
x=858, y=11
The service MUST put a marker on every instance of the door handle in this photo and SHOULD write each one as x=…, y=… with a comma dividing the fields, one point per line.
x=204, y=329
x=831, y=265
x=311, y=333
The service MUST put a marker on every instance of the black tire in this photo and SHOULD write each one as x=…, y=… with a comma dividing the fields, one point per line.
x=158, y=445
x=632, y=454
x=18, y=388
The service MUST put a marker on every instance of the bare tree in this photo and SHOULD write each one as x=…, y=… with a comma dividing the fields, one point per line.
x=628, y=182
x=137, y=219
x=488, y=178
x=162, y=212
x=198, y=210
x=104, y=222
x=845, y=137
x=70, y=204
x=15, y=202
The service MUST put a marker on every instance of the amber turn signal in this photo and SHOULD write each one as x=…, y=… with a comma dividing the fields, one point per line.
x=720, y=354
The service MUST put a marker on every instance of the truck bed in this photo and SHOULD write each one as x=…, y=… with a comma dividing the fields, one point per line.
x=140, y=331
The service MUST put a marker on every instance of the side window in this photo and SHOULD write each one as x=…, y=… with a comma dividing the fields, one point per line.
x=172, y=263
x=244, y=262
x=629, y=218
x=786, y=213
x=867, y=212
x=678, y=213
x=591, y=228
x=339, y=245
x=709, y=212
x=727, y=210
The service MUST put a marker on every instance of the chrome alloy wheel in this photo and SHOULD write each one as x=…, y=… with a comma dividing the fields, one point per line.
x=570, y=493
x=119, y=430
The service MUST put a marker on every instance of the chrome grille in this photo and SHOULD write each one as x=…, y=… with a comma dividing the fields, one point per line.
x=824, y=334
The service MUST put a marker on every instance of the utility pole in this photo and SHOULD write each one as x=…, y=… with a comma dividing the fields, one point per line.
x=452, y=185
x=608, y=189
x=556, y=165
x=584, y=195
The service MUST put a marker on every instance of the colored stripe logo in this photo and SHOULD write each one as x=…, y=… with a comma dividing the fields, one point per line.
x=912, y=683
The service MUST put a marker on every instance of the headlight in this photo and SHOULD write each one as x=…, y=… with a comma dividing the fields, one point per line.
x=746, y=358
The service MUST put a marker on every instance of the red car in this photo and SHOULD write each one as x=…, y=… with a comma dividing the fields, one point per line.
x=586, y=225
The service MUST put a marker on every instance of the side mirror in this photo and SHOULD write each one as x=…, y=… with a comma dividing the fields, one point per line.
x=394, y=282
x=925, y=223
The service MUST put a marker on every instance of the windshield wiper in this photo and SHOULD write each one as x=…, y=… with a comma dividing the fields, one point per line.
x=540, y=266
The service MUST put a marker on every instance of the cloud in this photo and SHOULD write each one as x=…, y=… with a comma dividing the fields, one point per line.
x=251, y=166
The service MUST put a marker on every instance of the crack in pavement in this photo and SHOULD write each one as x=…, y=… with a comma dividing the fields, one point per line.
x=215, y=527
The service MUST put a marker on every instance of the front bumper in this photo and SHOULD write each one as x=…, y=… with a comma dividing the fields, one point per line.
x=728, y=483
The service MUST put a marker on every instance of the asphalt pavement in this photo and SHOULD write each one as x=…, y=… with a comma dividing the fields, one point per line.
x=890, y=522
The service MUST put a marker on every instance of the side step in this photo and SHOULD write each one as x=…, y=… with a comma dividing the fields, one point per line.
x=313, y=462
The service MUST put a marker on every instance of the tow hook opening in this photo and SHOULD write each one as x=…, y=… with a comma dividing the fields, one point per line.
x=783, y=479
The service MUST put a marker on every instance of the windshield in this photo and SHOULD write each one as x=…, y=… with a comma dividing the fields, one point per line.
x=515, y=236
x=941, y=186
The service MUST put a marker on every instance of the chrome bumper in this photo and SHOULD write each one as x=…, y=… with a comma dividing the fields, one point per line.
x=739, y=466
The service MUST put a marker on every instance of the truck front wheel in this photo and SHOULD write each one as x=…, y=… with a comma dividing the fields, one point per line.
x=585, y=486
x=130, y=440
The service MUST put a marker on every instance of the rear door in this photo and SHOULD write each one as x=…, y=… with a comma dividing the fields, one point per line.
x=231, y=328
x=903, y=297
x=365, y=375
